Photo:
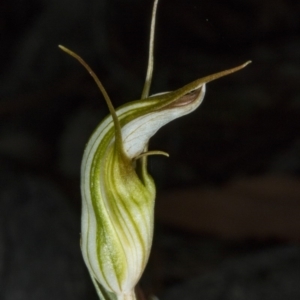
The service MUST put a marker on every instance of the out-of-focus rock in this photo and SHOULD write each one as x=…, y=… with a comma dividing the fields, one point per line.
x=39, y=241
x=268, y=275
x=259, y=207
x=288, y=161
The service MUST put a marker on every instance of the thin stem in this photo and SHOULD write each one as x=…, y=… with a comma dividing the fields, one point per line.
x=149, y=74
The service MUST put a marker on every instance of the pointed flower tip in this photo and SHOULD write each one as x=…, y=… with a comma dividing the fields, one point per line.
x=63, y=48
x=238, y=68
x=246, y=64
x=235, y=69
x=223, y=73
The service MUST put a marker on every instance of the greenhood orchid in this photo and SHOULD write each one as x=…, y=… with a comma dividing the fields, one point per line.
x=117, y=192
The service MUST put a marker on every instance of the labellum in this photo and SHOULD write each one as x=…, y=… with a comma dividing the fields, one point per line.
x=117, y=192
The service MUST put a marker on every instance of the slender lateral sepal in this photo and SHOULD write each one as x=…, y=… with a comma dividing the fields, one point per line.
x=103, y=91
x=149, y=73
x=117, y=191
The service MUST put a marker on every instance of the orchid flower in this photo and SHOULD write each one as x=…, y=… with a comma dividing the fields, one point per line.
x=117, y=191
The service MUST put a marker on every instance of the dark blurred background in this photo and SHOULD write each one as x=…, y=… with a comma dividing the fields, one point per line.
x=228, y=205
